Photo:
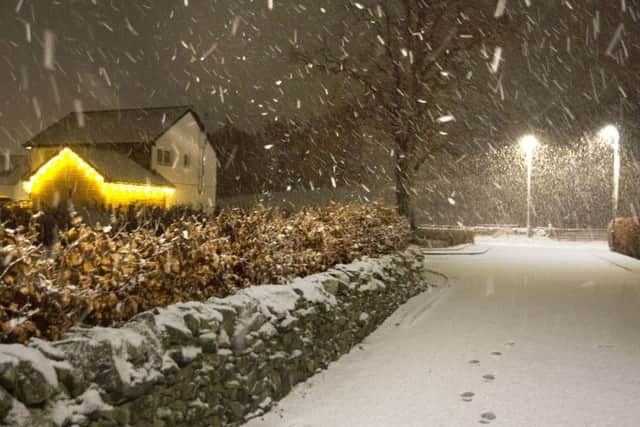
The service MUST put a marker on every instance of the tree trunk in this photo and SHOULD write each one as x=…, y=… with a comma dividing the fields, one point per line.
x=405, y=189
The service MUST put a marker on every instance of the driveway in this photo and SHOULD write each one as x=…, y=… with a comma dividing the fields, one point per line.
x=518, y=332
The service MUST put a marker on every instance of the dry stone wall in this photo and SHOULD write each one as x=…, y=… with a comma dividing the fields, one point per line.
x=204, y=364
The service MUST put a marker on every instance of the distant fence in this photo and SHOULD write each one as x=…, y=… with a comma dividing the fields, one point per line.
x=568, y=234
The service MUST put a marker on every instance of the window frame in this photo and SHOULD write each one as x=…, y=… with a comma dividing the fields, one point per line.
x=163, y=157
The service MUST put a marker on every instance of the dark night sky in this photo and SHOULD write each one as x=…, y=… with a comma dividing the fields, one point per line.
x=150, y=53
x=123, y=53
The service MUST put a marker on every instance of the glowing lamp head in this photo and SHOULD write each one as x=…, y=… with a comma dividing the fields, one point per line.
x=528, y=144
x=610, y=135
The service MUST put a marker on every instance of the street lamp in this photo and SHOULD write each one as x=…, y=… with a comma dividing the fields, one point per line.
x=610, y=135
x=528, y=145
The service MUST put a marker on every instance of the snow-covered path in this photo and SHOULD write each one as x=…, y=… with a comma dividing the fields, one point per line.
x=524, y=334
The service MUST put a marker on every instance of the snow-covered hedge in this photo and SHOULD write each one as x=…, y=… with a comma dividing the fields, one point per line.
x=445, y=236
x=624, y=236
x=209, y=363
x=103, y=276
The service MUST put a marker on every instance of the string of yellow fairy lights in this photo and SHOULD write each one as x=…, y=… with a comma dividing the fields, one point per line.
x=113, y=192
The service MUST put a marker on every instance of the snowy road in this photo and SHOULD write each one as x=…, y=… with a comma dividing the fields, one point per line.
x=542, y=334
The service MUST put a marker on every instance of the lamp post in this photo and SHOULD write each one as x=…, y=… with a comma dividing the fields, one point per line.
x=610, y=135
x=528, y=145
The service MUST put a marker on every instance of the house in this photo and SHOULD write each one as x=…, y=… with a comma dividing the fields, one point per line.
x=12, y=169
x=116, y=158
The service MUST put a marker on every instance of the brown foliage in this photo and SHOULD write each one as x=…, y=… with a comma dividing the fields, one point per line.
x=451, y=236
x=99, y=276
x=627, y=236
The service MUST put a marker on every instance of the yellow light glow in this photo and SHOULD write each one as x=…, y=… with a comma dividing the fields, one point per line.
x=114, y=193
x=118, y=193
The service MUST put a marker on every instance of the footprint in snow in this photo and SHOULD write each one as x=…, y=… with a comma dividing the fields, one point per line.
x=488, y=378
x=487, y=417
x=467, y=396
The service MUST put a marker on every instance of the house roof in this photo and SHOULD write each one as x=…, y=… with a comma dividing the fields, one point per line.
x=115, y=167
x=110, y=127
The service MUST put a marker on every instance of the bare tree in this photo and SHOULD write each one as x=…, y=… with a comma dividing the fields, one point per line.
x=412, y=59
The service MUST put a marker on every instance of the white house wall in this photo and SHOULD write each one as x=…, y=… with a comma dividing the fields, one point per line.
x=40, y=155
x=19, y=193
x=193, y=187
x=14, y=192
x=7, y=191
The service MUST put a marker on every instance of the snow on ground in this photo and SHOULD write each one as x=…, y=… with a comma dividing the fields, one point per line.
x=526, y=332
x=540, y=242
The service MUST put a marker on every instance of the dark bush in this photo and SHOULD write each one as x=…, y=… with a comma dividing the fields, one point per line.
x=626, y=239
x=448, y=236
x=13, y=215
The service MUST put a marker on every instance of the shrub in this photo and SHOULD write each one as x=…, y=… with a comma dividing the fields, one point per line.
x=105, y=275
x=15, y=215
x=449, y=236
x=627, y=236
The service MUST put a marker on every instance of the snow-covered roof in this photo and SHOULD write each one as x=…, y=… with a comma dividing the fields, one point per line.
x=137, y=125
